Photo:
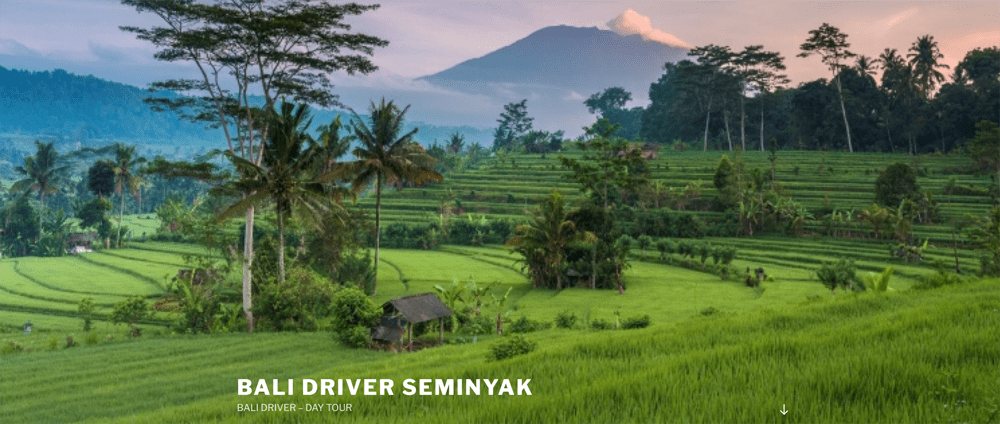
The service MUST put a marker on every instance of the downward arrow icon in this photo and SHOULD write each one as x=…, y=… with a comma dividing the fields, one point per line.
x=783, y=411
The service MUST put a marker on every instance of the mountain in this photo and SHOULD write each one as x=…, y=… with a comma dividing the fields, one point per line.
x=582, y=60
x=556, y=68
x=76, y=111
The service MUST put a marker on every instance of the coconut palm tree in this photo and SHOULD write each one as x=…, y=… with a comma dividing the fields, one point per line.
x=123, y=165
x=924, y=55
x=330, y=145
x=286, y=175
x=386, y=157
x=543, y=239
x=43, y=173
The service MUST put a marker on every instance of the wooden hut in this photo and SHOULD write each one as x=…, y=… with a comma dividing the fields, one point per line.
x=407, y=311
x=85, y=240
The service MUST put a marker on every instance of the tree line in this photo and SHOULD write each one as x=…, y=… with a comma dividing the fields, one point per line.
x=725, y=99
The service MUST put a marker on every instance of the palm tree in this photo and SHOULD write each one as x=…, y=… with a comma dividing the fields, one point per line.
x=385, y=157
x=865, y=66
x=125, y=161
x=456, y=143
x=924, y=56
x=42, y=172
x=543, y=239
x=330, y=146
x=286, y=174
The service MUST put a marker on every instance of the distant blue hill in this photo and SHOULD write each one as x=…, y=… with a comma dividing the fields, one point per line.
x=76, y=110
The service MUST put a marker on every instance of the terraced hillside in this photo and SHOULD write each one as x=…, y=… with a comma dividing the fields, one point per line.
x=836, y=180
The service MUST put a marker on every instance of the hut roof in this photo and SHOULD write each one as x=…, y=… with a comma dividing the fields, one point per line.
x=419, y=307
x=81, y=237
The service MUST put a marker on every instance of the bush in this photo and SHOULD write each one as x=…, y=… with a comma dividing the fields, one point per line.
x=130, y=311
x=897, y=183
x=86, y=310
x=565, y=319
x=525, y=325
x=354, y=313
x=635, y=322
x=939, y=279
x=476, y=325
x=842, y=274
x=600, y=324
x=296, y=304
x=511, y=347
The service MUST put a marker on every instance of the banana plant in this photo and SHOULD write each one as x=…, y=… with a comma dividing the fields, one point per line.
x=879, y=281
x=451, y=296
x=499, y=303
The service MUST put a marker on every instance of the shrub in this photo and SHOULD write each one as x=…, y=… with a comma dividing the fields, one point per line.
x=296, y=304
x=476, y=325
x=635, y=322
x=566, y=319
x=841, y=274
x=939, y=279
x=354, y=313
x=11, y=347
x=897, y=183
x=525, y=325
x=600, y=324
x=511, y=347
x=86, y=310
x=130, y=311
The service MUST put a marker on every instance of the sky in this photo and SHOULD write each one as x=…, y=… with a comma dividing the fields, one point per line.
x=428, y=36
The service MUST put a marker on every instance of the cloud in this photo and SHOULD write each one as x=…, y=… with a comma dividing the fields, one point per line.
x=13, y=48
x=632, y=23
x=884, y=25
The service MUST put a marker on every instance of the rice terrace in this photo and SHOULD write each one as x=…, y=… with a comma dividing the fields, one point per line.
x=751, y=244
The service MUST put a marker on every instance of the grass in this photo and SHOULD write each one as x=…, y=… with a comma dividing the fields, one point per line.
x=903, y=357
x=844, y=180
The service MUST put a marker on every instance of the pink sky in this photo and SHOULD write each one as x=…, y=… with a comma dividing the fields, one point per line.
x=429, y=36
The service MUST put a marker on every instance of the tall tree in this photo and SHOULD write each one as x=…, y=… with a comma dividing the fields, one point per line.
x=456, y=143
x=44, y=173
x=126, y=179
x=286, y=176
x=924, y=55
x=514, y=122
x=273, y=48
x=387, y=157
x=831, y=45
x=330, y=145
x=543, y=239
x=713, y=81
x=865, y=66
x=761, y=70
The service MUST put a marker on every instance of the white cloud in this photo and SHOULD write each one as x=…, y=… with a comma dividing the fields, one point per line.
x=632, y=23
x=13, y=48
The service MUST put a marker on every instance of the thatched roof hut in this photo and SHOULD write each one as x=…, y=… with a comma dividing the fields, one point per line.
x=405, y=311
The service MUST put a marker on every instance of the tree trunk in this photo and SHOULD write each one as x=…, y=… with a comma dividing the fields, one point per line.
x=121, y=217
x=888, y=134
x=762, y=124
x=378, y=226
x=729, y=136
x=843, y=111
x=247, y=272
x=281, y=246
x=743, y=123
x=708, y=116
